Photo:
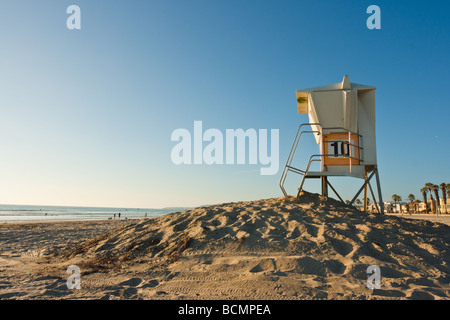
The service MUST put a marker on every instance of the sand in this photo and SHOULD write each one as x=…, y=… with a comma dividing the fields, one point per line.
x=311, y=248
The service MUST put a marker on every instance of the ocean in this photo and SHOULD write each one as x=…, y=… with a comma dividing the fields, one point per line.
x=28, y=213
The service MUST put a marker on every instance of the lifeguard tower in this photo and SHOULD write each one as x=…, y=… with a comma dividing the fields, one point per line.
x=342, y=120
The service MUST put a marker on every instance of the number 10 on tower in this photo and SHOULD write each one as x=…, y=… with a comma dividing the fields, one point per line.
x=339, y=148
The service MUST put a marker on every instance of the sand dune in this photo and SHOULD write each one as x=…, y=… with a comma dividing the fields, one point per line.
x=311, y=248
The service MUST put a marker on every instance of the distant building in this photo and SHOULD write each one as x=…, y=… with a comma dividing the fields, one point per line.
x=444, y=207
x=392, y=207
x=406, y=207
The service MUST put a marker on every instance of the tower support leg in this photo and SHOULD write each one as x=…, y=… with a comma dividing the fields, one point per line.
x=380, y=197
x=324, y=186
x=365, y=190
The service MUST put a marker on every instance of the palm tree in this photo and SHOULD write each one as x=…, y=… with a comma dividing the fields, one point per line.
x=358, y=204
x=368, y=204
x=447, y=188
x=396, y=199
x=411, y=199
x=435, y=189
x=444, y=195
x=424, y=191
x=429, y=186
x=416, y=205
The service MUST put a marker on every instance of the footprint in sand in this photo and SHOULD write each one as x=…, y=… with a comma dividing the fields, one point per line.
x=151, y=284
x=139, y=283
x=133, y=282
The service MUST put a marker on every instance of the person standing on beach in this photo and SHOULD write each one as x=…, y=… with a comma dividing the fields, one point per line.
x=119, y=215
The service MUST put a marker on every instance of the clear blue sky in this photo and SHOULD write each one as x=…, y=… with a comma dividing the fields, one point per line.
x=86, y=115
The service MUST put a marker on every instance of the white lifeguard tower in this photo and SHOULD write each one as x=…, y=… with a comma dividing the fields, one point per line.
x=342, y=119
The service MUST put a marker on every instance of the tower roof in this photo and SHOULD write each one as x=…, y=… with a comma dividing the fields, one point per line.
x=344, y=85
